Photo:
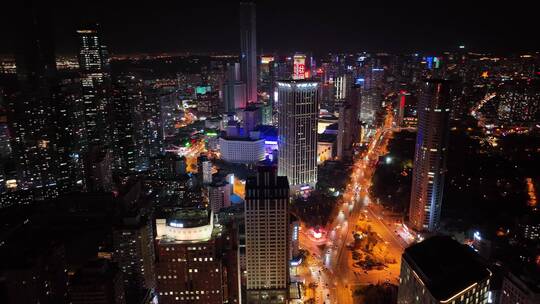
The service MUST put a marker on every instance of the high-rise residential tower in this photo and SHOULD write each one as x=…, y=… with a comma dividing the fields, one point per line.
x=430, y=156
x=267, y=241
x=248, y=49
x=297, y=107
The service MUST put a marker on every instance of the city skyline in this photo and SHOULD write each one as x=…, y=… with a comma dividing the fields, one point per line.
x=291, y=176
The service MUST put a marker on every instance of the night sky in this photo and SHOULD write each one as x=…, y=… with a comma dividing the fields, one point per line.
x=319, y=26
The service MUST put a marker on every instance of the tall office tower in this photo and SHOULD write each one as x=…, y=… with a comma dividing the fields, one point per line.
x=372, y=94
x=248, y=49
x=189, y=266
x=430, y=156
x=265, y=74
x=127, y=100
x=133, y=243
x=342, y=85
x=95, y=80
x=402, y=103
x=71, y=119
x=267, y=237
x=441, y=270
x=297, y=107
x=33, y=111
x=234, y=90
x=328, y=97
x=152, y=126
x=348, y=124
x=252, y=117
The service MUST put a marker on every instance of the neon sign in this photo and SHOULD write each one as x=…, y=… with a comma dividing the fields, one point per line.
x=299, y=67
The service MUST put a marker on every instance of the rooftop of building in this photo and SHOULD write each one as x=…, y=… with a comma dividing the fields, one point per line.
x=326, y=138
x=253, y=106
x=240, y=138
x=267, y=172
x=219, y=182
x=327, y=118
x=334, y=126
x=95, y=272
x=297, y=81
x=189, y=217
x=445, y=266
x=267, y=130
x=188, y=225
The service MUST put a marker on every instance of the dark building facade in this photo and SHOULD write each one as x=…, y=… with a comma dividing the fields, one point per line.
x=441, y=270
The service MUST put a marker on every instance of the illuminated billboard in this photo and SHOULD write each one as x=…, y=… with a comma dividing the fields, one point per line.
x=432, y=62
x=202, y=90
x=299, y=67
x=266, y=59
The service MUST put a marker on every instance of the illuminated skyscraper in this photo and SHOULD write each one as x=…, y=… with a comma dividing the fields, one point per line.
x=267, y=241
x=265, y=75
x=152, y=135
x=372, y=94
x=34, y=112
x=402, y=103
x=252, y=117
x=126, y=104
x=298, y=109
x=189, y=267
x=134, y=253
x=234, y=90
x=342, y=86
x=248, y=49
x=430, y=156
x=95, y=79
